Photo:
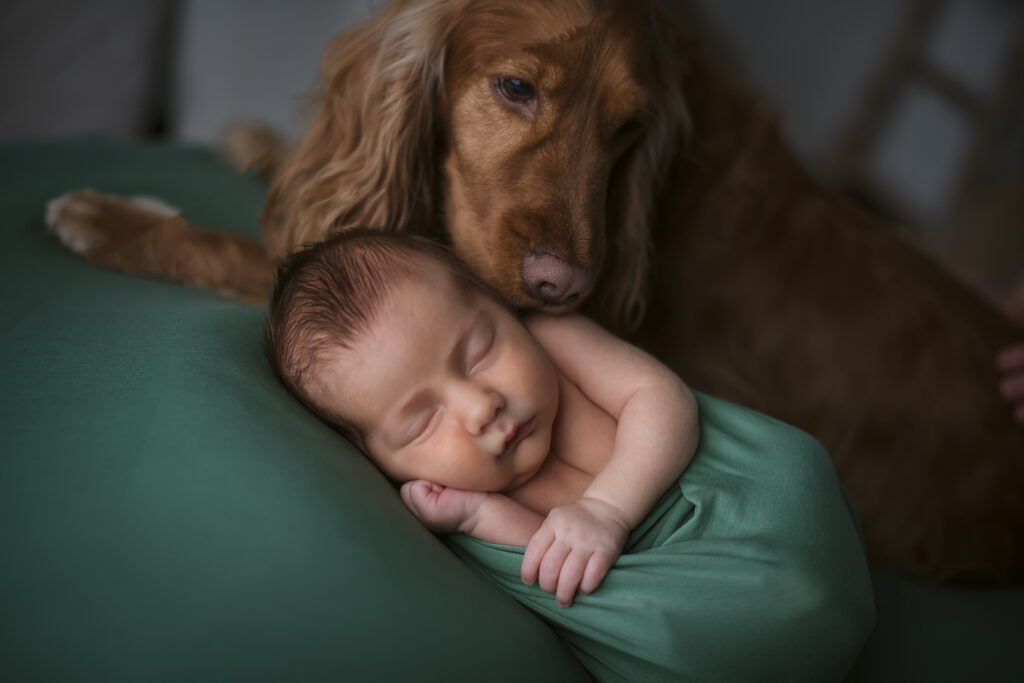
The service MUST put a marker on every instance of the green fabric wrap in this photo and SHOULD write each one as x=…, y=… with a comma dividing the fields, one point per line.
x=749, y=568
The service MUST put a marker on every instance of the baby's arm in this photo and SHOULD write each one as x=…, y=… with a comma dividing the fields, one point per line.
x=492, y=517
x=655, y=439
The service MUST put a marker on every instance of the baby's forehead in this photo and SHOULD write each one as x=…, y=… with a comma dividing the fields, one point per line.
x=391, y=329
x=432, y=280
x=416, y=325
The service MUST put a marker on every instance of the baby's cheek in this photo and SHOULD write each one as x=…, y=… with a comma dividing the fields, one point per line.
x=453, y=460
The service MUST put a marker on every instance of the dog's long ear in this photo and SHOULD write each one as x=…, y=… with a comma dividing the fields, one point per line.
x=367, y=160
x=621, y=298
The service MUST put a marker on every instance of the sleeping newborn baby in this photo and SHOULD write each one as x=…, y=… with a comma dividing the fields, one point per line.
x=545, y=448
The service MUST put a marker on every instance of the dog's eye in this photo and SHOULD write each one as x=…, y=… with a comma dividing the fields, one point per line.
x=628, y=131
x=515, y=89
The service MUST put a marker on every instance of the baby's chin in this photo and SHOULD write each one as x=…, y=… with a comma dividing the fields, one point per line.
x=526, y=475
x=491, y=484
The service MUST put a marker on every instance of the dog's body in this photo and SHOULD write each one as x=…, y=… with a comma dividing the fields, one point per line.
x=576, y=151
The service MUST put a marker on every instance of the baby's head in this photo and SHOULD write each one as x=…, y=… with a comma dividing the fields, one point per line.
x=328, y=294
x=390, y=339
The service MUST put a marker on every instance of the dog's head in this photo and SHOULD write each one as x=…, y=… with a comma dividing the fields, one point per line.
x=534, y=133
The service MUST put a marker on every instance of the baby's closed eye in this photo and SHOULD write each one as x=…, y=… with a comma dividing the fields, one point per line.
x=421, y=425
x=478, y=346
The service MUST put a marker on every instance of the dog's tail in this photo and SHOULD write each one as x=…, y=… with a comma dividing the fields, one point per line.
x=249, y=145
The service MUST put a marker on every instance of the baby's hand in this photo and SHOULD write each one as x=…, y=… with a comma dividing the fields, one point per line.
x=1011, y=365
x=574, y=548
x=1011, y=358
x=441, y=509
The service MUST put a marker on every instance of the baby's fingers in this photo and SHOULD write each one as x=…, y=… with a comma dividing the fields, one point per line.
x=418, y=494
x=551, y=567
x=598, y=567
x=1013, y=387
x=1011, y=359
x=536, y=549
x=569, y=578
x=411, y=493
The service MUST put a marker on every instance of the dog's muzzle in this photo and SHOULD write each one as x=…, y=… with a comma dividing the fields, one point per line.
x=553, y=281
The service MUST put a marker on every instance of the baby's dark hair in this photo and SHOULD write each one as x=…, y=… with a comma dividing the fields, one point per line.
x=329, y=293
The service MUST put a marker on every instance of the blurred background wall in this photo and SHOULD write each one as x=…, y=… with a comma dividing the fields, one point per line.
x=915, y=108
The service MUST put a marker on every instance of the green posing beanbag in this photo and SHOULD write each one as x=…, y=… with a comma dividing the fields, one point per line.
x=168, y=511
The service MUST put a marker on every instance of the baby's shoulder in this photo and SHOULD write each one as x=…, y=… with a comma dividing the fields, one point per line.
x=559, y=330
x=535, y=320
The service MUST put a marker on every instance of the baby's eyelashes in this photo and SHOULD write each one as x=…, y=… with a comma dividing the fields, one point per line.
x=478, y=346
x=421, y=425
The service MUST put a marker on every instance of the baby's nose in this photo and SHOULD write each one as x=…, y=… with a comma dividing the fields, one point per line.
x=479, y=407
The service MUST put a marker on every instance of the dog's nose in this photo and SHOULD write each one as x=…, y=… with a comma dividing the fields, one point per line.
x=553, y=280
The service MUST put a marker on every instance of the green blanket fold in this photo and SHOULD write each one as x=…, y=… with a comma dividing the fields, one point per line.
x=749, y=568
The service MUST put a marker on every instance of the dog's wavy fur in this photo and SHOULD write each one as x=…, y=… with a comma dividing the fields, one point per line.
x=711, y=246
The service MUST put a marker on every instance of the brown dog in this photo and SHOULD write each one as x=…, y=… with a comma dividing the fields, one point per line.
x=590, y=151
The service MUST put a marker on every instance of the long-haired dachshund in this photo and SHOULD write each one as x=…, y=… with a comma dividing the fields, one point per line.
x=588, y=152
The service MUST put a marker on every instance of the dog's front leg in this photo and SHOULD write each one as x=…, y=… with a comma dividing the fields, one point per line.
x=146, y=237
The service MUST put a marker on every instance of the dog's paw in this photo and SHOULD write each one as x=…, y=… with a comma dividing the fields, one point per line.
x=85, y=220
x=72, y=218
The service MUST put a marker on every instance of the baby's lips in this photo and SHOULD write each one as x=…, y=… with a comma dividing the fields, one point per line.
x=521, y=431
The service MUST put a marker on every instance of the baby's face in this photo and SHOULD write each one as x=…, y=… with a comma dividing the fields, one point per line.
x=449, y=389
